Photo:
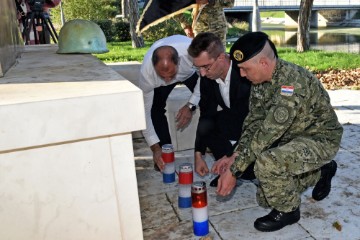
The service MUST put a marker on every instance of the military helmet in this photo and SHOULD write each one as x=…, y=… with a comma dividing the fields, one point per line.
x=81, y=36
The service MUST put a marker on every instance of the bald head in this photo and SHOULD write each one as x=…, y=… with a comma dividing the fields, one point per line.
x=165, y=60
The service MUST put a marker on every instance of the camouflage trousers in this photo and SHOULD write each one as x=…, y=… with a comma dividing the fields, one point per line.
x=286, y=171
x=218, y=28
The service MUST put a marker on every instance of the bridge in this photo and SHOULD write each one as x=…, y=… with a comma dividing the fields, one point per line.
x=285, y=5
x=324, y=12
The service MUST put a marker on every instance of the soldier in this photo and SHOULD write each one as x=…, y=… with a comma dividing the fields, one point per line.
x=291, y=133
x=211, y=19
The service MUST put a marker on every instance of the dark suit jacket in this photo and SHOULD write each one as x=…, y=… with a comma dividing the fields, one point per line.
x=229, y=121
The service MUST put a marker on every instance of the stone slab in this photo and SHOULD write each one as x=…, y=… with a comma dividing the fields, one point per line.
x=66, y=158
x=234, y=219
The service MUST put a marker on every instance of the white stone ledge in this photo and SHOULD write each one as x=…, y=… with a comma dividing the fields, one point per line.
x=46, y=96
x=48, y=113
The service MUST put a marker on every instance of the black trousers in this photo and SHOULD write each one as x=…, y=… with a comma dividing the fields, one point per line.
x=158, y=111
x=209, y=134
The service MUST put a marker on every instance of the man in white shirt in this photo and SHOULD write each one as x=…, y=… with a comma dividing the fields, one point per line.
x=165, y=65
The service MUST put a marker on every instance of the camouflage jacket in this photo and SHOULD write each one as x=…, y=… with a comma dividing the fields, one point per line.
x=212, y=12
x=294, y=103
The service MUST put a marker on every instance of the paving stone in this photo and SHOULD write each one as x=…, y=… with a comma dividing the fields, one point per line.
x=233, y=219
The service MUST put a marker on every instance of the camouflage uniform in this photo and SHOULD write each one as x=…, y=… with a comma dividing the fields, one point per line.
x=211, y=19
x=290, y=134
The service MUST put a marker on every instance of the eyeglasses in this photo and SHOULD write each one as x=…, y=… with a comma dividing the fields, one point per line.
x=206, y=67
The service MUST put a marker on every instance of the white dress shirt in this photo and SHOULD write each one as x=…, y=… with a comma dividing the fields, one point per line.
x=224, y=87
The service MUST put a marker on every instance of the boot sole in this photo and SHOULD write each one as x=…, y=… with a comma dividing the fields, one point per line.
x=264, y=229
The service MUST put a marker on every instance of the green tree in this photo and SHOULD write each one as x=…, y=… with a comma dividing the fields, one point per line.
x=86, y=9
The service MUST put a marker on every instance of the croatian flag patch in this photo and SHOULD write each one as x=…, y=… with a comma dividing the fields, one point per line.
x=287, y=90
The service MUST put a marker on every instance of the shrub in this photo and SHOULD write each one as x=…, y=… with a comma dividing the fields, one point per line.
x=107, y=27
x=161, y=30
x=122, y=31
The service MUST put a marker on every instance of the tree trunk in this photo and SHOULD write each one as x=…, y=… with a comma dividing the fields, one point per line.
x=137, y=41
x=303, y=36
x=256, y=21
x=62, y=16
x=124, y=9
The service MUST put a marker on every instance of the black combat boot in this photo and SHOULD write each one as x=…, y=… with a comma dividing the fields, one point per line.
x=323, y=186
x=276, y=220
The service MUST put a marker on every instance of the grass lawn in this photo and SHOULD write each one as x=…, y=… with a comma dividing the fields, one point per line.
x=312, y=60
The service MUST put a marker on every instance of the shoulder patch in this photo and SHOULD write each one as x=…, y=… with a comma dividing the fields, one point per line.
x=281, y=114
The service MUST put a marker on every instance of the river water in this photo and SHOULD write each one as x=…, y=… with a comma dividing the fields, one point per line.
x=329, y=39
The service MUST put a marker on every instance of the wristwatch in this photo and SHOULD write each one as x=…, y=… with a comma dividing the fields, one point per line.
x=236, y=173
x=191, y=106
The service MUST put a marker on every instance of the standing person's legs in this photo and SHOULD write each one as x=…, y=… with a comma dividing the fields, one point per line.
x=215, y=24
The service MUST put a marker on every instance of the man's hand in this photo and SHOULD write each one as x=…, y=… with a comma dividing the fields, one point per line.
x=183, y=117
x=226, y=183
x=156, y=149
x=223, y=164
x=201, y=167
